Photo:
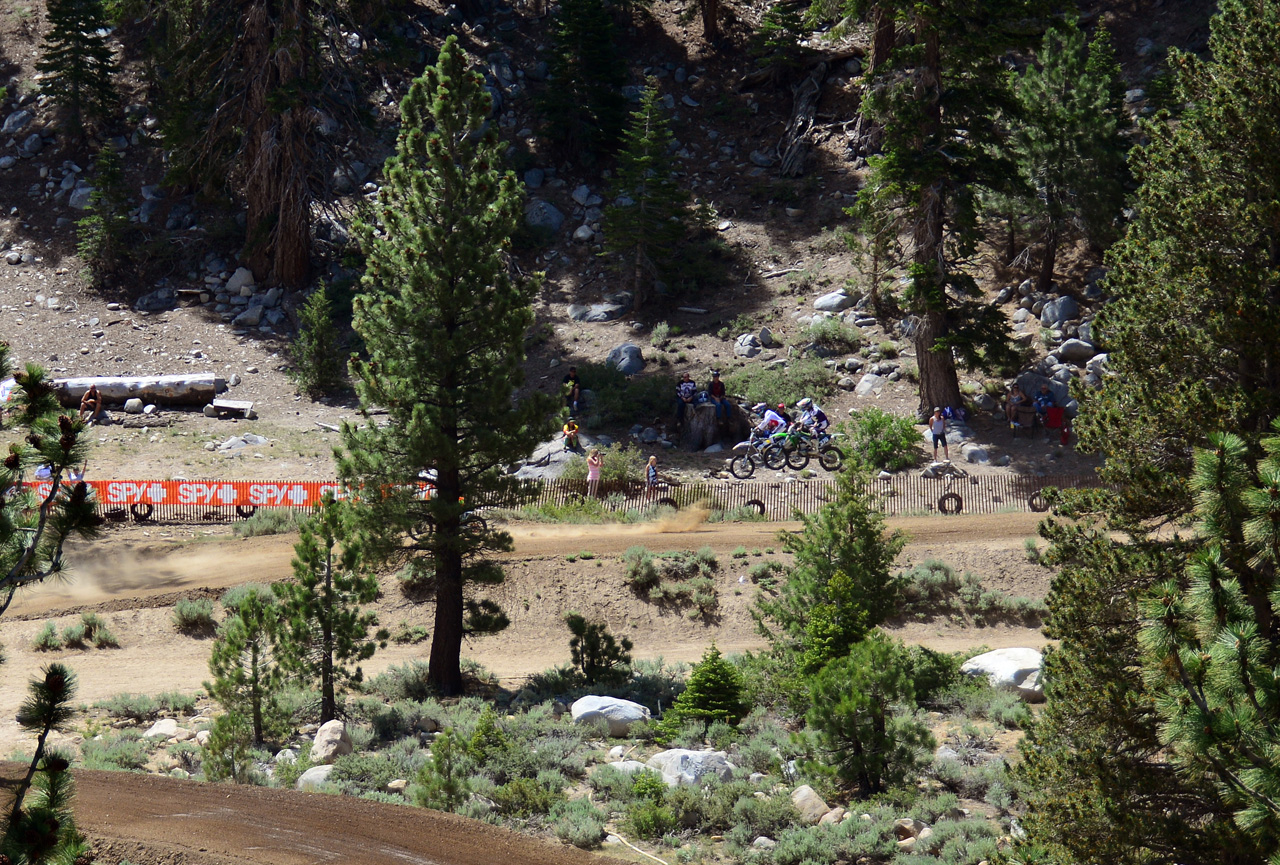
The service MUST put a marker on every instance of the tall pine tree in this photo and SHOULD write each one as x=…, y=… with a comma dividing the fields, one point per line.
x=583, y=104
x=77, y=61
x=443, y=319
x=245, y=661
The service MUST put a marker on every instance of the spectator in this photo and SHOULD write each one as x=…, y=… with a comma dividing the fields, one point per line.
x=651, y=475
x=1016, y=398
x=594, y=463
x=785, y=415
x=572, y=389
x=719, y=398
x=91, y=405
x=1044, y=400
x=686, y=390
x=938, y=426
x=571, y=434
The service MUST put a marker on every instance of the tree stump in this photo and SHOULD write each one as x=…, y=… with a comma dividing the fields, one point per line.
x=702, y=430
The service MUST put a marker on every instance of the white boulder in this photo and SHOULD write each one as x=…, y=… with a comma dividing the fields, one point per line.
x=165, y=728
x=617, y=713
x=1016, y=670
x=683, y=768
x=314, y=778
x=629, y=767
x=809, y=804
x=242, y=277
x=332, y=741
x=833, y=302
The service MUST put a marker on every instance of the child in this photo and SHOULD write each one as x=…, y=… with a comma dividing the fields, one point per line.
x=651, y=474
x=938, y=426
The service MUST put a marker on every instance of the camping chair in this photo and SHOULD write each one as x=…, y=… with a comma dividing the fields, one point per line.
x=1055, y=418
x=1024, y=418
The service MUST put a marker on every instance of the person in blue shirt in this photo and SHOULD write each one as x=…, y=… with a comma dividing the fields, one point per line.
x=1044, y=400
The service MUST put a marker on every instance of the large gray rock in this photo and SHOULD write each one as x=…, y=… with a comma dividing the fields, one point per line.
x=540, y=214
x=626, y=358
x=314, y=778
x=332, y=741
x=682, y=768
x=835, y=301
x=868, y=384
x=251, y=317
x=79, y=198
x=629, y=767
x=1016, y=670
x=619, y=714
x=1075, y=351
x=16, y=122
x=156, y=301
x=165, y=728
x=808, y=804
x=747, y=345
x=32, y=144
x=133, y=406
x=241, y=278
x=1059, y=311
x=597, y=311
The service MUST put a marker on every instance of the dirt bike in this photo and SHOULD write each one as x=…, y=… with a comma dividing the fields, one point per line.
x=787, y=448
x=748, y=455
x=830, y=457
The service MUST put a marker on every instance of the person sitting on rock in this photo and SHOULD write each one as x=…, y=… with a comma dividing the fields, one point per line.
x=1016, y=398
x=1045, y=400
x=719, y=398
x=572, y=389
x=686, y=391
x=91, y=405
x=571, y=434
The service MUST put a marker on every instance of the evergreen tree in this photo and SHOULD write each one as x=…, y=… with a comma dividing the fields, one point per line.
x=839, y=587
x=41, y=828
x=228, y=754
x=646, y=232
x=326, y=631
x=444, y=323
x=316, y=352
x=1189, y=333
x=77, y=62
x=583, y=104
x=934, y=163
x=101, y=232
x=713, y=693
x=1067, y=141
x=599, y=657
x=35, y=526
x=861, y=713
x=244, y=662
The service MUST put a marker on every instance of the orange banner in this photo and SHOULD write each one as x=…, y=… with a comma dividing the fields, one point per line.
x=258, y=494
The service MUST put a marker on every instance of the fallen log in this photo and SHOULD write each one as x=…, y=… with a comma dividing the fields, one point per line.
x=198, y=389
x=794, y=146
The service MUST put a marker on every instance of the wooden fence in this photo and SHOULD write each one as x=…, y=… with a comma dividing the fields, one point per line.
x=210, y=501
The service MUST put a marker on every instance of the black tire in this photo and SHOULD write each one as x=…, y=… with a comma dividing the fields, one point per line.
x=1037, y=503
x=774, y=457
x=831, y=458
x=757, y=504
x=117, y=515
x=669, y=502
x=797, y=459
x=246, y=511
x=742, y=466
x=476, y=524
x=142, y=511
x=950, y=503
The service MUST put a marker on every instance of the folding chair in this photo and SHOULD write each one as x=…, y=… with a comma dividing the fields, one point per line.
x=1055, y=418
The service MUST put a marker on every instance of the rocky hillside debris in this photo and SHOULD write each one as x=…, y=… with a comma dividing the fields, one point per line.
x=1017, y=670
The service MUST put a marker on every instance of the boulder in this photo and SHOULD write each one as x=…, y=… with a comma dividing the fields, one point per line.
x=809, y=805
x=202, y=737
x=133, y=406
x=584, y=233
x=533, y=177
x=764, y=842
x=868, y=385
x=682, y=768
x=974, y=453
x=985, y=402
x=1016, y=670
x=747, y=345
x=1059, y=311
x=543, y=215
x=908, y=828
x=1075, y=351
x=16, y=122
x=835, y=815
x=165, y=728
x=597, y=311
x=79, y=198
x=836, y=301
x=629, y=767
x=242, y=277
x=314, y=778
x=332, y=741
x=582, y=194
x=627, y=358
x=251, y=317
x=619, y=714
x=766, y=337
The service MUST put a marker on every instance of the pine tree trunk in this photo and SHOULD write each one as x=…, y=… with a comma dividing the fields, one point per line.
x=711, y=21
x=1045, y=279
x=883, y=42
x=939, y=383
x=445, y=671
x=255, y=693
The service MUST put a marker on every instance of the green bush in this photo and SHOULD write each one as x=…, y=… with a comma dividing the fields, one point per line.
x=713, y=693
x=618, y=462
x=115, y=750
x=599, y=658
x=650, y=820
x=578, y=822
x=622, y=400
x=90, y=629
x=47, y=639
x=525, y=797
x=933, y=588
x=880, y=440
x=318, y=364
x=407, y=681
x=270, y=521
x=194, y=616
x=359, y=773
x=682, y=578
x=805, y=377
x=442, y=782
x=406, y=633
x=134, y=707
x=834, y=334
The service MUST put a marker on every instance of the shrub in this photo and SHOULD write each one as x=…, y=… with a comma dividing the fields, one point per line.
x=713, y=693
x=888, y=349
x=806, y=377
x=682, y=578
x=622, y=400
x=764, y=573
x=934, y=588
x=270, y=521
x=407, y=681
x=317, y=360
x=116, y=750
x=90, y=629
x=525, y=797
x=406, y=633
x=880, y=440
x=578, y=822
x=1032, y=548
x=834, y=334
x=661, y=335
x=619, y=462
x=598, y=657
x=134, y=707
x=649, y=820
x=356, y=774
x=194, y=616
x=47, y=639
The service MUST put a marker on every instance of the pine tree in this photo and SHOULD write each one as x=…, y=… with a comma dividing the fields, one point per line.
x=599, y=657
x=1067, y=141
x=101, y=232
x=317, y=357
x=326, y=631
x=712, y=693
x=934, y=163
x=41, y=828
x=1189, y=333
x=583, y=105
x=646, y=232
x=77, y=62
x=35, y=526
x=244, y=662
x=228, y=753
x=444, y=323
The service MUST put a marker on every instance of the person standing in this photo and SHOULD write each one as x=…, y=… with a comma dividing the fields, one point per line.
x=572, y=390
x=938, y=426
x=651, y=475
x=594, y=464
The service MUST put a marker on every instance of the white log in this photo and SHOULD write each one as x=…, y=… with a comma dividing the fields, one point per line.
x=197, y=389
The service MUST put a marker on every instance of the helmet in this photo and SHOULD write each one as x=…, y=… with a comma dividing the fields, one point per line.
x=805, y=404
x=759, y=408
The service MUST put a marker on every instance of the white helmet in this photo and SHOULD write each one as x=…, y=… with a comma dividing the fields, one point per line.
x=759, y=408
x=805, y=404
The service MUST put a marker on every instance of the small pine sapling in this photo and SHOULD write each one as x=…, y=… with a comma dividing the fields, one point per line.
x=713, y=693
x=599, y=658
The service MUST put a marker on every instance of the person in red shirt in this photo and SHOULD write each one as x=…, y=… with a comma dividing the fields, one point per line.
x=719, y=399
